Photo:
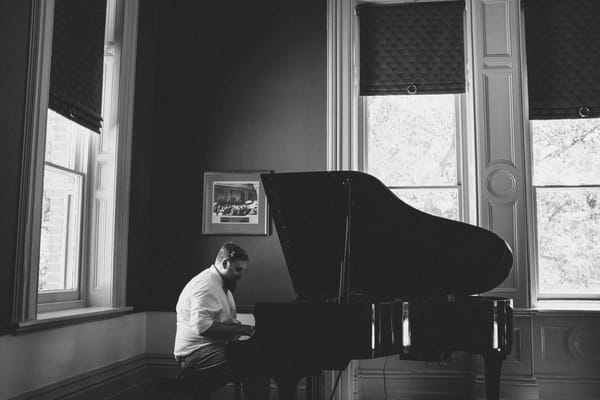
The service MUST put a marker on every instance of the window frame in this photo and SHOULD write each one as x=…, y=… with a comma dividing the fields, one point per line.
x=539, y=297
x=67, y=299
x=346, y=109
x=70, y=295
x=111, y=294
x=538, y=300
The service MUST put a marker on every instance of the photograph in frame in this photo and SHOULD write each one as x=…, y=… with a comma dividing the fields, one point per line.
x=234, y=204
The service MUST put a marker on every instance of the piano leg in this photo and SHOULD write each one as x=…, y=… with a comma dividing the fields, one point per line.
x=493, y=364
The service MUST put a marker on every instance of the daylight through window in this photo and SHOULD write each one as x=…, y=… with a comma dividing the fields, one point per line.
x=412, y=148
x=566, y=184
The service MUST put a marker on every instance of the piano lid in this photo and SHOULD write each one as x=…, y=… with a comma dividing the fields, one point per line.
x=395, y=249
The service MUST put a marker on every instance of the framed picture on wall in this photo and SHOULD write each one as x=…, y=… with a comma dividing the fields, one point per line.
x=235, y=204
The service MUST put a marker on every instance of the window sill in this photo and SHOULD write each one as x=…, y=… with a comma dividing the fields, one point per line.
x=55, y=319
x=567, y=307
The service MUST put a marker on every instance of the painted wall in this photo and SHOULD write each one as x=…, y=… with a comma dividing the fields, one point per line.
x=14, y=36
x=37, y=359
x=238, y=86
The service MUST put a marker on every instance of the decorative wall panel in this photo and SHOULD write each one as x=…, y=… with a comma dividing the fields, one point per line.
x=496, y=19
x=567, y=345
x=499, y=130
x=499, y=117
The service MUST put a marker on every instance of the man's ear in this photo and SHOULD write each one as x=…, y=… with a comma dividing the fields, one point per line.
x=225, y=264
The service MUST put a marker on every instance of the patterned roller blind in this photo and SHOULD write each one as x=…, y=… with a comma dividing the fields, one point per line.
x=412, y=48
x=563, y=58
x=77, y=61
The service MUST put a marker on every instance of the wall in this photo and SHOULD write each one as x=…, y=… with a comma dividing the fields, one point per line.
x=14, y=36
x=239, y=86
x=35, y=360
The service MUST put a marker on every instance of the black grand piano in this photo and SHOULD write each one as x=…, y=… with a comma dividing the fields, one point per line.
x=376, y=277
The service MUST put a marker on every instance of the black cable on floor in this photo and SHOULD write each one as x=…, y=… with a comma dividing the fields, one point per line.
x=336, y=385
x=384, y=381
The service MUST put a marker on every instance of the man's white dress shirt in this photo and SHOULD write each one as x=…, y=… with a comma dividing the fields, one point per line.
x=201, y=302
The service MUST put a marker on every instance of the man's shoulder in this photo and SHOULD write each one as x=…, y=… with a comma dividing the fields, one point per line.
x=204, y=279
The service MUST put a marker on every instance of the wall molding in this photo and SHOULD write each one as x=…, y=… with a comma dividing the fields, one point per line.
x=137, y=377
x=108, y=380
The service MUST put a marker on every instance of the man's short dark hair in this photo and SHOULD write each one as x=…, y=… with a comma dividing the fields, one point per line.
x=232, y=252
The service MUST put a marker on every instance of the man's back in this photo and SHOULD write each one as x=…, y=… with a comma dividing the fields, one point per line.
x=202, y=301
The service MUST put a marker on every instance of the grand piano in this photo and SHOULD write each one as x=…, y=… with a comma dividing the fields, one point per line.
x=376, y=277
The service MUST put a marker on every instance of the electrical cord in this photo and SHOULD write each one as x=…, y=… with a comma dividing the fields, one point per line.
x=384, y=379
x=336, y=385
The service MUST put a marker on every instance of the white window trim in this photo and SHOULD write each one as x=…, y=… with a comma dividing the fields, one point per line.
x=26, y=277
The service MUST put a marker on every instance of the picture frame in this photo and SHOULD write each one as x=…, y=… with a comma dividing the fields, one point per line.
x=235, y=203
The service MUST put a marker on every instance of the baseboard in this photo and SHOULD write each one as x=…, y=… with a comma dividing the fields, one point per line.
x=569, y=388
x=137, y=377
x=511, y=388
x=108, y=382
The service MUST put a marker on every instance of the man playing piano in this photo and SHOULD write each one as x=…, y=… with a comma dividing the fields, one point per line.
x=206, y=342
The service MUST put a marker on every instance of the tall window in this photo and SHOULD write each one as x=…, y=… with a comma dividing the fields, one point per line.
x=566, y=184
x=73, y=226
x=414, y=147
x=564, y=112
x=70, y=217
x=412, y=76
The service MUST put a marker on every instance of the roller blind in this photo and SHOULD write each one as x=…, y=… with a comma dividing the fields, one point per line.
x=77, y=61
x=563, y=58
x=412, y=48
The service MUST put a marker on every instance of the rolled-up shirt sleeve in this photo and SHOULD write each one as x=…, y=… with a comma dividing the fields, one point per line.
x=204, y=309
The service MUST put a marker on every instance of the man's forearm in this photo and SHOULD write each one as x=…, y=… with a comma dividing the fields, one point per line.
x=224, y=331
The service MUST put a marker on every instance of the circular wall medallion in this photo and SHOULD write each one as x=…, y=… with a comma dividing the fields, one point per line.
x=584, y=342
x=501, y=183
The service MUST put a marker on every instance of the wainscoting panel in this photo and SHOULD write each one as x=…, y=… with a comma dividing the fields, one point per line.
x=120, y=381
x=567, y=346
x=519, y=362
x=567, y=355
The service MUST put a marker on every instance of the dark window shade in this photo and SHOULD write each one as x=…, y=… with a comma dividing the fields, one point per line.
x=77, y=61
x=563, y=58
x=420, y=44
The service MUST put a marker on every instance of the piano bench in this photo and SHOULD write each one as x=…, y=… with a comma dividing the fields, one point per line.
x=199, y=387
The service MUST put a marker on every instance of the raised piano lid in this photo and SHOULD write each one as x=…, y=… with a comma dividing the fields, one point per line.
x=395, y=249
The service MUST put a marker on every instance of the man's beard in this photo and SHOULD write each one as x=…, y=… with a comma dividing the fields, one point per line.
x=230, y=284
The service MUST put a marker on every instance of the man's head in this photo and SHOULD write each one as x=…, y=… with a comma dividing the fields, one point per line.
x=230, y=263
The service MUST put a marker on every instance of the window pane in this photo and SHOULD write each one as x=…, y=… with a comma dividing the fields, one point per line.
x=62, y=141
x=566, y=152
x=440, y=202
x=568, y=226
x=412, y=139
x=61, y=222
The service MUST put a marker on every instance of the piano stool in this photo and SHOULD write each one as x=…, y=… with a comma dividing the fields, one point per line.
x=197, y=387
